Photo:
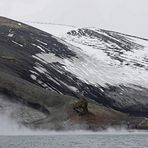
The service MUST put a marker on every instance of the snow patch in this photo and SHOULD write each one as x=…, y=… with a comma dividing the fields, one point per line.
x=40, y=69
x=17, y=43
x=48, y=58
x=42, y=42
x=10, y=35
x=33, y=77
x=38, y=47
x=19, y=24
x=57, y=30
x=74, y=89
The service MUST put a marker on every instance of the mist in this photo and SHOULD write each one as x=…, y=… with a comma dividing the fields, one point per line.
x=8, y=126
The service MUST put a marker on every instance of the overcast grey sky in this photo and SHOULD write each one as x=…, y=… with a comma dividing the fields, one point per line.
x=127, y=16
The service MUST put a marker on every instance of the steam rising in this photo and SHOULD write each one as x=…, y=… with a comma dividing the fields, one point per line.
x=9, y=126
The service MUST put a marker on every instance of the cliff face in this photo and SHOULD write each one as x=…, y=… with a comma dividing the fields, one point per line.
x=45, y=73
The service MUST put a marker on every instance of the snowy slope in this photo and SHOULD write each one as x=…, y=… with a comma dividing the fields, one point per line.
x=115, y=63
x=105, y=57
x=106, y=66
x=117, y=59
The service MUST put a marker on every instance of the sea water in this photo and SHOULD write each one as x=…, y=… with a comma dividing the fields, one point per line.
x=77, y=140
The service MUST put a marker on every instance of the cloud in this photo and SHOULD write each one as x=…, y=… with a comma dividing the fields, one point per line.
x=128, y=16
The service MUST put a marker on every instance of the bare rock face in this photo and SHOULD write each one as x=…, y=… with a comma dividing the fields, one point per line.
x=143, y=124
x=81, y=106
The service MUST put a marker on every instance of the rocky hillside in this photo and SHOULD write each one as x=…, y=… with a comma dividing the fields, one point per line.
x=45, y=73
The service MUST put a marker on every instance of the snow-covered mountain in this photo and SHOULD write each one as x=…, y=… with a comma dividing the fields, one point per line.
x=106, y=66
x=112, y=67
x=108, y=54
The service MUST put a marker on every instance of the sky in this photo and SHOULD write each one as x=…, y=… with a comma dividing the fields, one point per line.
x=126, y=16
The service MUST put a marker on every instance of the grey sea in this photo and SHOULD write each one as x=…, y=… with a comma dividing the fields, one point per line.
x=126, y=140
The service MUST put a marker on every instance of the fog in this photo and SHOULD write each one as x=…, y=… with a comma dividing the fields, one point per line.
x=127, y=16
x=9, y=126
